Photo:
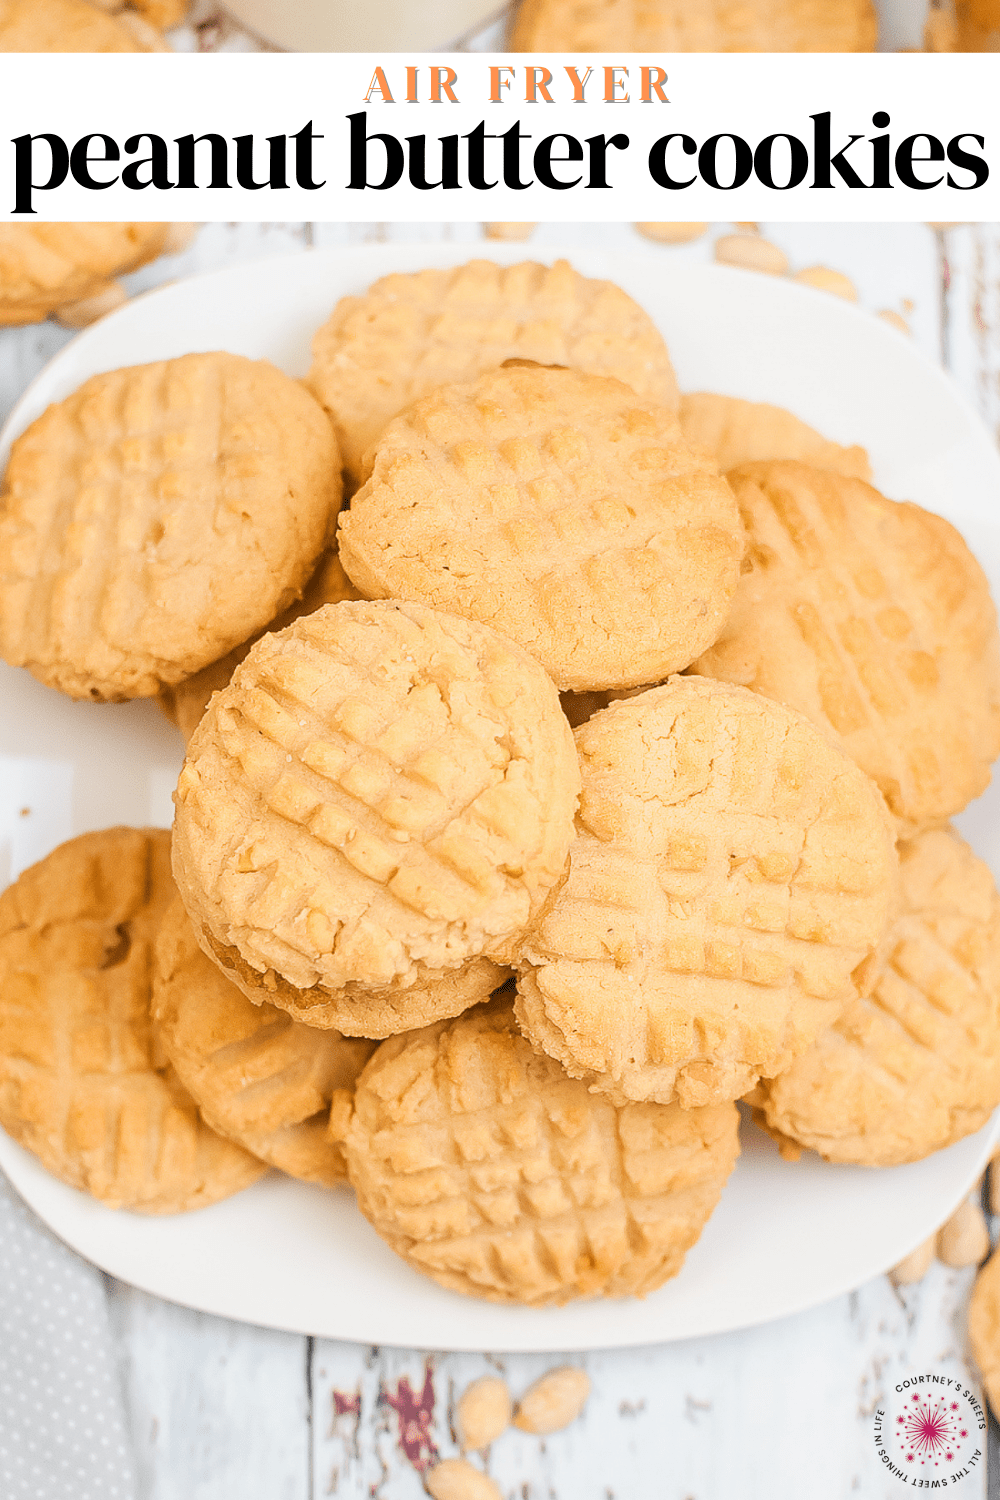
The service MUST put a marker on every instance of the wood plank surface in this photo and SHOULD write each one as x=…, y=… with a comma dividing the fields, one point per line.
x=221, y=1410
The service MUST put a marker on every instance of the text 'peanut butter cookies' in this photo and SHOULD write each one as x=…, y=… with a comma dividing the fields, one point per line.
x=381, y=793
x=917, y=1065
x=258, y=1077
x=82, y=1084
x=740, y=432
x=407, y=334
x=484, y=1166
x=559, y=509
x=731, y=868
x=695, y=26
x=157, y=517
x=185, y=703
x=46, y=266
x=873, y=619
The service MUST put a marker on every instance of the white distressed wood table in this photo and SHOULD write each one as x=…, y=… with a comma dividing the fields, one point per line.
x=221, y=1410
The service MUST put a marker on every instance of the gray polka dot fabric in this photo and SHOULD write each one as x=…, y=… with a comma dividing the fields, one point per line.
x=62, y=1427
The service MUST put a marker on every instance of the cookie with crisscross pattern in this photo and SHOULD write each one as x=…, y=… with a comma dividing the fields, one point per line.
x=45, y=266
x=82, y=1082
x=158, y=517
x=739, y=432
x=873, y=618
x=916, y=1065
x=408, y=333
x=382, y=793
x=258, y=1077
x=559, y=508
x=185, y=703
x=490, y=1170
x=732, y=867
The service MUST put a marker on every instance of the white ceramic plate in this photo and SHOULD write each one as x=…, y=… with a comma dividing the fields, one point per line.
x=295, y=1257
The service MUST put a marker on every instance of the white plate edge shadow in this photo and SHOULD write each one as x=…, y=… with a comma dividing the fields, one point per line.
x=581, y=1325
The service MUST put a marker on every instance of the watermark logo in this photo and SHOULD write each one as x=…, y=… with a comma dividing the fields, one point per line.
x=929, y=1434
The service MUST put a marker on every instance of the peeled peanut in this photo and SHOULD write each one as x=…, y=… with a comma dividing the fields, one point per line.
x=553, y=1401
x=482, y=1413
x=895, y=319
x=914, y=1267
x=81, y=314
x=672, y=234
x=509, y=231
x=825, y=279
x=456, y=1479
x=964, y=1240
x=752, y=253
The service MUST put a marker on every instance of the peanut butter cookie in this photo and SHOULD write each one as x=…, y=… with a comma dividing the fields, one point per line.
x=740, y=432
x=158, y=517
x=873, y=619
x=258, y=1077
x=732, y=867
x=407, y=334
x=185, y=702
x=70, y=26
x=559, y=508
x=915, y=1066
x=481, y=1163
x=382, y=793
x=82, y=1082
x=695, y=26
x=45, y=266
x=377, y=1013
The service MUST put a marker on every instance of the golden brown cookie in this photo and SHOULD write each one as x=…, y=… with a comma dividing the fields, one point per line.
x=157, y=517
x=358, y=1012
x=407, y=334
x=45, y=266
x=559, y=508
x=186, y=701
x=984, y=1328
x=874, y=619
x=82, y=1082
x=739, y=432
x=731, y=868
x=67, y=26
x=695, y=26
x=481, y=1163
x=977, y=25
x=917, y=1065
x=258, y=1077
x=381, y=793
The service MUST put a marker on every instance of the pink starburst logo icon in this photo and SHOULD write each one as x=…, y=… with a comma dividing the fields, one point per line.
x=927, y=1431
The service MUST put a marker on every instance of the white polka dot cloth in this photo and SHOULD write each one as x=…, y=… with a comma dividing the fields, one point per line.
x=62, y=1426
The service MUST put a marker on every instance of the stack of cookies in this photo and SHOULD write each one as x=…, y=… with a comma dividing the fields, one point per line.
x=558, y=794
